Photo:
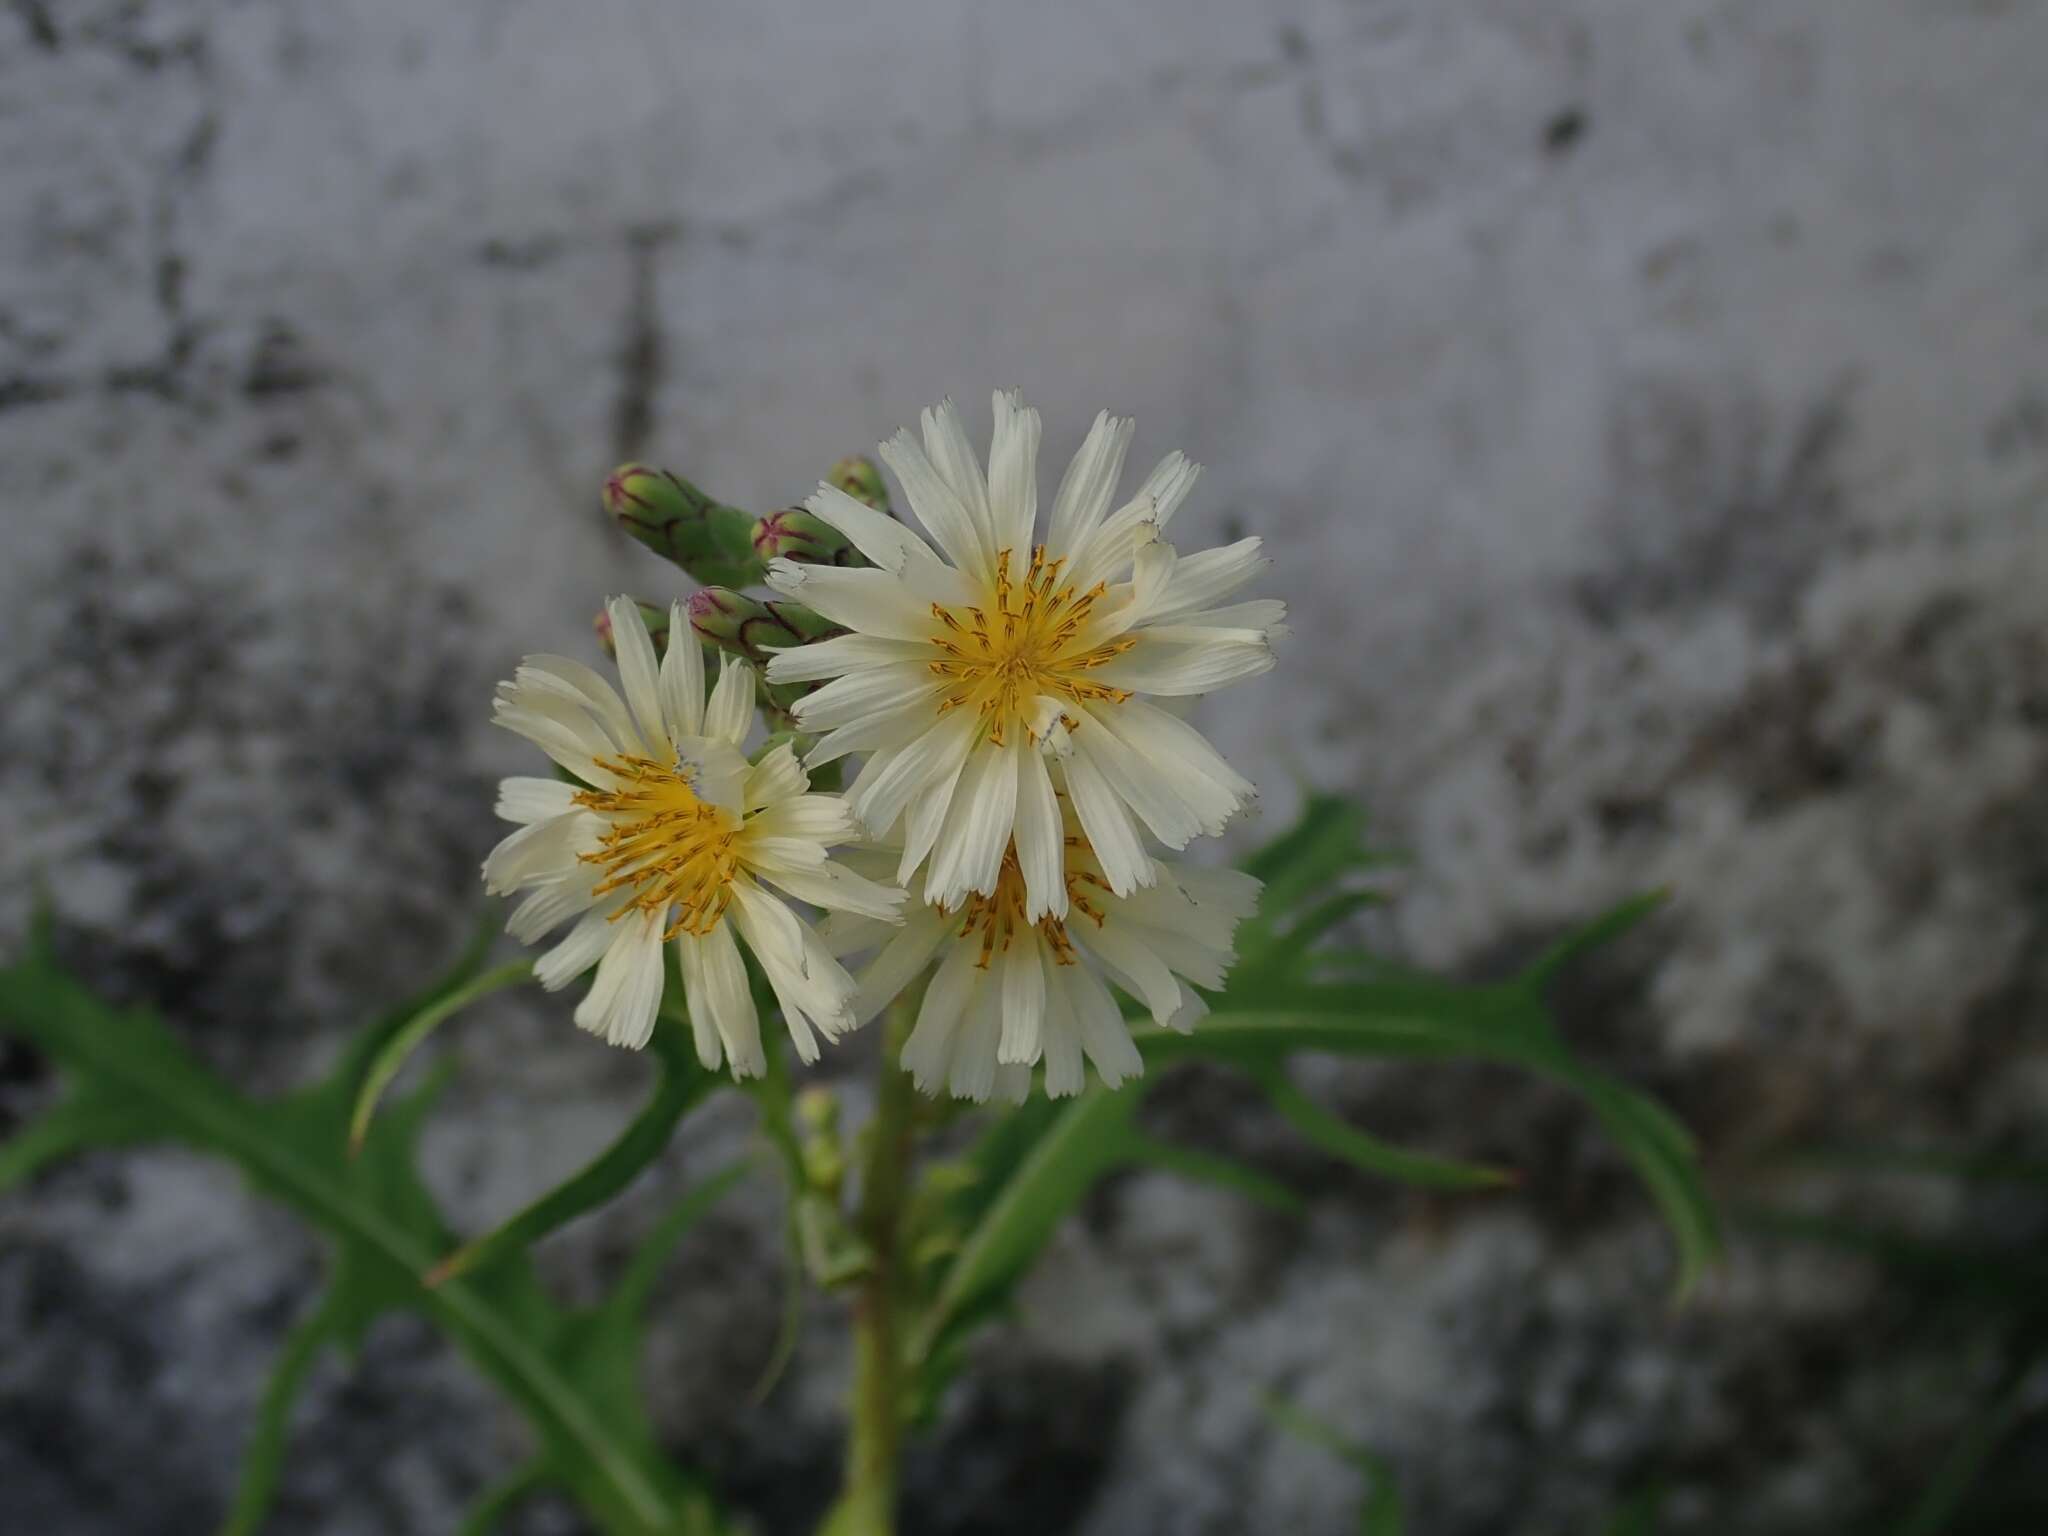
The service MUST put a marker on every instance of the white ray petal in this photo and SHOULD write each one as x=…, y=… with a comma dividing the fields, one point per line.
x=896, y=964
x=682, y=677
x=1107, y=826
x=969, y=851
x=523, y=799
x=574, y=683
x=933, y=755
x=1178, y=663
x=869, y=601
x=1088, y=485
x=1040, y=837
x=836, y=888
x=777, y=777
x=928, y=1053
x=858, y=695
x=1061, y=1035
x=935, y=504
x=946, y=445
x=624, y=995
x=639, y=673
x=885, y=542
x=1104, y=1035
x=840, y=654
x=1023, y=999
x=892, y=727
x=730, y=1003
x=731, y=709
x=1013, y=477
x=703, y=1031
x=579, y=950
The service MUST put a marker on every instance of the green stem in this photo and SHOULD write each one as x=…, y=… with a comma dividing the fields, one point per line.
x=867, y=1504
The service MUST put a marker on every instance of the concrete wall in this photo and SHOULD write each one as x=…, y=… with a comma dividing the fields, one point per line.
x=1645, y=406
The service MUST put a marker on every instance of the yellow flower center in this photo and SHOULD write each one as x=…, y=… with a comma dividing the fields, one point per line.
x=671, y=849
x=1032, y=642
x=999, y=917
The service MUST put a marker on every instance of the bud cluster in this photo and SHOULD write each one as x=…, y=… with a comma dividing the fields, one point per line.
x=661, y=509
x=725, y=549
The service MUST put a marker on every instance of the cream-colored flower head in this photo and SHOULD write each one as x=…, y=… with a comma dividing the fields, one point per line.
x=1011, y=991
x=971, y=664
x=670, y=834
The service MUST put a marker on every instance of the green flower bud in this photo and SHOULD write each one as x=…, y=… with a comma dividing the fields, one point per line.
x=753, y=627
x=661, y=509
x=859, y=478
x=796, y=535
x=824, y=1158
x=833, y=1253
x=817, y=1111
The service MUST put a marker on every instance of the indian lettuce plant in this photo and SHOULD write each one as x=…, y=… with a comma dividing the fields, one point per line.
x=934, y=783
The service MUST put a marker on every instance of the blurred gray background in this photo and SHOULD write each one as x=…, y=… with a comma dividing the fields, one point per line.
x=1646, y=408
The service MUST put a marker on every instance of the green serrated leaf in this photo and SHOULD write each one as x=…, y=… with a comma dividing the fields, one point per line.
x=1501, y=1024
x=1368, y=1153
x=1036, y=1163
x=629, y=1297
x=1053, y=1155
x=1326, y=841
x=469, y=964
x=263, y=1461
x=570, y=1372
x=679, y=1088
x=1604, y=929
x=1285, y=954
x=397, y=1049
x=1222, y=1172
x=69, y=1127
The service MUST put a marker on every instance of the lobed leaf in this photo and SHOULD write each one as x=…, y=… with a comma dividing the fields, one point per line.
x=397, y=1048
x=1028, y=1191
x=1034, y=1165
x=263, y=1461
x=1367, y=1153
x=570, y=1372
x=681, y=1086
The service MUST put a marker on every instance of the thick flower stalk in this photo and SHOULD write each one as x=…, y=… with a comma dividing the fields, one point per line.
x=669, y=834
x=999, y=665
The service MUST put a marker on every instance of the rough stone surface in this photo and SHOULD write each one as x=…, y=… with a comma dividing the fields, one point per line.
x=1645, y=407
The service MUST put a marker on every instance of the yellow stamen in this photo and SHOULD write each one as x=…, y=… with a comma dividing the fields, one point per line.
x=673, y=851
x=1032, y=641
x=999, y=917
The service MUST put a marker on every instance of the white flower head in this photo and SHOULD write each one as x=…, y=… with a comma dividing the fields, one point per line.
x=1010, y=991
x=670, y=834
x=970, y=664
